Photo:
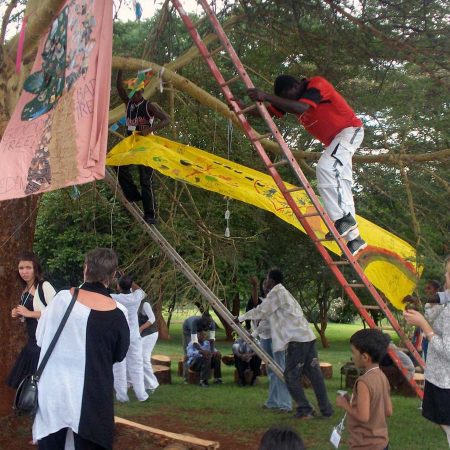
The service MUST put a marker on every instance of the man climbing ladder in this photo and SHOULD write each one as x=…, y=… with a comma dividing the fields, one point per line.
x=325, y=115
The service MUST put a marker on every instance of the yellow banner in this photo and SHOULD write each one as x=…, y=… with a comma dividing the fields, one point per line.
x=388, y=261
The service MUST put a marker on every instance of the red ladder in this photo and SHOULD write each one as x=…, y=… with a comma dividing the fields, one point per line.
x=255, y=138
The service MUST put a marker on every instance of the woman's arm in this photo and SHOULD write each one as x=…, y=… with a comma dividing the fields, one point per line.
x=25, y=312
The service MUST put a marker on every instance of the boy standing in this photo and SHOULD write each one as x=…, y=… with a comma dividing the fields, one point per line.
x=370, y=403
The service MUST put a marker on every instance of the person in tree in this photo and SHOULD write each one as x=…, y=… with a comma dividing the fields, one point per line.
x=143, y=117
x=138, y=11
x=327, y=117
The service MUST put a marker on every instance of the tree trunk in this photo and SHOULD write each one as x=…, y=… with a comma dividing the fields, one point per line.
x=163, y=329
x=18, y=220
x=324, y=339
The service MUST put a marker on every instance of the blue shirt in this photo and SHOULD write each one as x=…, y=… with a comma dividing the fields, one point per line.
x=193, y=353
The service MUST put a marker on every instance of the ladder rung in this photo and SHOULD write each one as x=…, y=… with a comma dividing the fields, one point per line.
x=262, y=136
x=339, y=263
x=295, y=189
x=281, y=162
x=231, y=80
x=324, y=239
x=246, y=110
x=311, y=214
x=371, y=307
x=355, y=285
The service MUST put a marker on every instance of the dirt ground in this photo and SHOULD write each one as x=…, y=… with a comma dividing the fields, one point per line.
x=15, y=434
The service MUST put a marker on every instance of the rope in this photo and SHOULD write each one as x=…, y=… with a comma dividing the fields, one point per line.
x=229, y=142
x=20, y=226
x=112, y=209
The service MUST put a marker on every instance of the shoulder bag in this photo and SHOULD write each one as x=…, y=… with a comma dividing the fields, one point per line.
x=26, y=399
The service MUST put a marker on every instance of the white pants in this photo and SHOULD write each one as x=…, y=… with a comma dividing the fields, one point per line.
x=130, y=368
x=148, y=343
x=335, y=175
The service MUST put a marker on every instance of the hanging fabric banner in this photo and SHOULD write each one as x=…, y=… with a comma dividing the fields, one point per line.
x=388, y=261
x=57, y=135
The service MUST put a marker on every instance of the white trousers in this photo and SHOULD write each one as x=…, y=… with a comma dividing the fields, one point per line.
x=130, y=368
x=335, y=175
x=148, y=343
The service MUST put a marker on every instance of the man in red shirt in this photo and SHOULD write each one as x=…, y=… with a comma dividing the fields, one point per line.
x=325, y=115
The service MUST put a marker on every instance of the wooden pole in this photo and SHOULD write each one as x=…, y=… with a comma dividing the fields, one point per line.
x=185, y=439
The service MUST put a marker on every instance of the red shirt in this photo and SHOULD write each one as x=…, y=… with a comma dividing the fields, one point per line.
x=328, y=112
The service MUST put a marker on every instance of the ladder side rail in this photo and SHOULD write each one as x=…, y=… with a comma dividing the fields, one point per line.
x=294, y=165
x=254, y=139
x=397, y=361
x=195, y=280
x=251, y=133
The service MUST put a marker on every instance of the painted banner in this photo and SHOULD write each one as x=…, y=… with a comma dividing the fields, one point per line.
x=388, y=261
x=58, y=133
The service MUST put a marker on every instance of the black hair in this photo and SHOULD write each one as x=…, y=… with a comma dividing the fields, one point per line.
x=283, y=83
x=276, y=275
x=281, y=438
x=371, y=341
x=37, y=268
x=261, y=288
x=125, y=282
x=435, y=284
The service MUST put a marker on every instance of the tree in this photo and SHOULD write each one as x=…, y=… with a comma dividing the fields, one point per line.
x=390, y=60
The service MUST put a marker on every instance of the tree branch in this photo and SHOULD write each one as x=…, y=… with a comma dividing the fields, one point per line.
x=208, y=100
x=408, y=52
x=5, y=20
x=40, y=14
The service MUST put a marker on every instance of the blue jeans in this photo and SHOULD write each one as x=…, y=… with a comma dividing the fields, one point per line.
x=278, y=393
x=301, y=358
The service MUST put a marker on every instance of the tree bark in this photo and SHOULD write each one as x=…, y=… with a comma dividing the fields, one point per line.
x=18, y=220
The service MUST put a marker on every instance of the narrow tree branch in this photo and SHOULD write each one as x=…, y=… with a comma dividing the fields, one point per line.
x=5, y=20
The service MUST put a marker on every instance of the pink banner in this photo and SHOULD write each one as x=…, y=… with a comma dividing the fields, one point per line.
x=58, y=133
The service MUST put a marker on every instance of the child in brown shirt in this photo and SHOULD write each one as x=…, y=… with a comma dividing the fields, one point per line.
x=370, y=403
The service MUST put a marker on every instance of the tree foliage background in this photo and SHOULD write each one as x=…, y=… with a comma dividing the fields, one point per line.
x=390, y=60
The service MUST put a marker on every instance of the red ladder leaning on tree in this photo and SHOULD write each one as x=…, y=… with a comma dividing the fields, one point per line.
x=255, y=138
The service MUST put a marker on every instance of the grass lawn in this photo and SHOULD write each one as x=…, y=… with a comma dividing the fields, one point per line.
x=229, y=410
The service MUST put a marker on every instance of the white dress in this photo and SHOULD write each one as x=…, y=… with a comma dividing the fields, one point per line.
x=131, y=368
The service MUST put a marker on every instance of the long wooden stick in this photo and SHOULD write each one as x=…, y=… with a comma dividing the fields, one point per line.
x=189, y=440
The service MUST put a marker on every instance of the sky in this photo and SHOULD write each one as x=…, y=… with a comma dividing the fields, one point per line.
x=149, y=8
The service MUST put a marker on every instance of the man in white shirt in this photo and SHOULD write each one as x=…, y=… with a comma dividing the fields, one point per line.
x=290, y=332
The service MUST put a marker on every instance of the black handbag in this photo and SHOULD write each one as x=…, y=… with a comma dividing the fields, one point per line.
x=26, y=398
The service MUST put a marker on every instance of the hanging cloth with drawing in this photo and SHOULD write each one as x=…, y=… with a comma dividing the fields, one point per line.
x=58, y=132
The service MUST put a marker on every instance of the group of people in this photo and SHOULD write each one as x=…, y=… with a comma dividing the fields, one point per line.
x=105, y=344
x=109, y=336
x=279, y=324
x=318, y=106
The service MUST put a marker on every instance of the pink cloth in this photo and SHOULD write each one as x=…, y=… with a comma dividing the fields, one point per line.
x=57, y=135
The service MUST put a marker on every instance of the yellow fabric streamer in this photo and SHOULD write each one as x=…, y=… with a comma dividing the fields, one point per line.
x=388, y=261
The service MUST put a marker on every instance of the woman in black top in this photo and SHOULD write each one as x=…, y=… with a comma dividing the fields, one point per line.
x=36, y=295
